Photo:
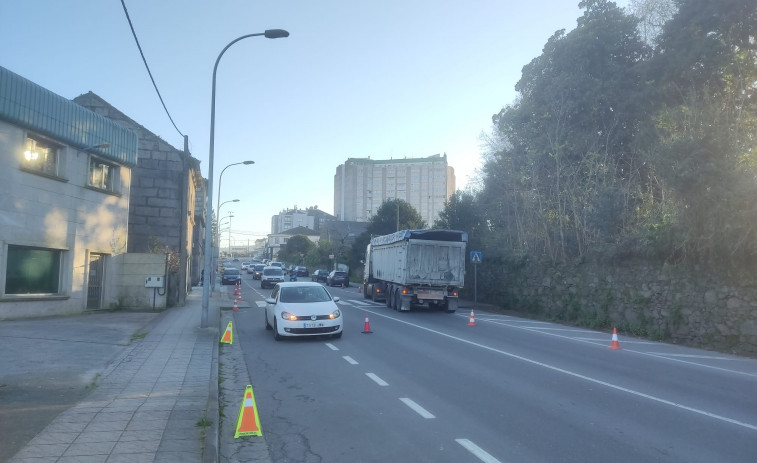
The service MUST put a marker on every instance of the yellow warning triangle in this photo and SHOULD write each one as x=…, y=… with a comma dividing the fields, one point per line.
x=248, y=423
x=228, y=335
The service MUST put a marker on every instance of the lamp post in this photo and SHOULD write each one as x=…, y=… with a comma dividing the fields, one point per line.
x=270, y=34
x=218, y=236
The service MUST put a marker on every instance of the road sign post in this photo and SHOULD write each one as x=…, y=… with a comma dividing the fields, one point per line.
x=475, y=258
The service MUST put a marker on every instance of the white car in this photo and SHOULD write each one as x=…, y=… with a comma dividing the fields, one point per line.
x=302, y=309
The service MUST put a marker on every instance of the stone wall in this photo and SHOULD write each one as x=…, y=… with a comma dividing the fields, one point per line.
x=692, y=306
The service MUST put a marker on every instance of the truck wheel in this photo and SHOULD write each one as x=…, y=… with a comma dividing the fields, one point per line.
x=396, y=300
x=365, y=291
x=388, y=296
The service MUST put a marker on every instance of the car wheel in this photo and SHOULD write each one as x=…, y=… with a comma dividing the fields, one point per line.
x=265, y=316
x=276, y=334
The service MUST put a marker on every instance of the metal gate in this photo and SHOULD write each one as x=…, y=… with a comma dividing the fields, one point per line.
x=95, y=282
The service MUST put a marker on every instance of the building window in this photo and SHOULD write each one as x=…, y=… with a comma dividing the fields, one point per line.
x=32, y=270
x=40, y=156
x=102, y=175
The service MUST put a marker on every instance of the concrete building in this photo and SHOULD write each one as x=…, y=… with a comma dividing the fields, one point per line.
x=312, y=218
x=164, y=209
x=67, y=179
x=361, y=185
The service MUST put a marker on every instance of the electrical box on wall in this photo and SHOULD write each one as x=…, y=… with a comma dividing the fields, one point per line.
x=154, y=281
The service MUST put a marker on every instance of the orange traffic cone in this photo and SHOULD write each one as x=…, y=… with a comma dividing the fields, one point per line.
x=367, y=326
x=235, y=305
x=472, y=321
x=360, y=289
x=614, y=344
x=248, y=423
x=342, y=285
x=228, y=335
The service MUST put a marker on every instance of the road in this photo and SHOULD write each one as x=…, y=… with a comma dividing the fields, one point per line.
x=426, y=386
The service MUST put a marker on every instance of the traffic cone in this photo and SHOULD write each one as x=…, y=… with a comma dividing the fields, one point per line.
x=248, y=423
x=228, y=335
x=472, y=321
x=235, y=305
x=367, y=326
x=342, y=285
x=360, y=289
x=237, y=290
x=614, y=344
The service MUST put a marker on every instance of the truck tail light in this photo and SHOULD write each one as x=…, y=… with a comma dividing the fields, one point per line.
x=454, y=294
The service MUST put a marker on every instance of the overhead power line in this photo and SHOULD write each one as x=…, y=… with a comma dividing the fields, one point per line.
x=148, y=68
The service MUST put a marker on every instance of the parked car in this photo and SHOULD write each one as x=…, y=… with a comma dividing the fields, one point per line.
x=257, y=271
x=271, y=275
x=338, y=277
x=302, y=271
x=230, y=276
x=319, y=275
x=302, y=309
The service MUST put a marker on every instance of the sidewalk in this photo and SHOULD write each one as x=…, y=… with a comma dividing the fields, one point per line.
x=150, y=403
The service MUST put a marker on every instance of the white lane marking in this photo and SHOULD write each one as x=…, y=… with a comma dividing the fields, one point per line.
x=350, y=360
x=261, y=303
x=417, y=408
x=577, y=375
x=361, y=302
x=480, y=453
x=378, y=380
x=711, y=357
x=604, y=342
x=331, y=346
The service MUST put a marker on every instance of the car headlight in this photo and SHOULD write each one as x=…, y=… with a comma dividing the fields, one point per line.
x=288, y=316
x=335, y=314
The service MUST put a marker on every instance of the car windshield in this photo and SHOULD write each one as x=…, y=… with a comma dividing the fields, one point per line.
x=259, y=268
x=304, y=294
x=339, y=274
x=231, y=271
x=273, y=272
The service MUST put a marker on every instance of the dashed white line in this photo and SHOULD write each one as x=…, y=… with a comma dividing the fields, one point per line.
x=417, y=408
x=331, y=346
x=350, y=360
x=378, y=380
x=480, y=453
x=590, y=379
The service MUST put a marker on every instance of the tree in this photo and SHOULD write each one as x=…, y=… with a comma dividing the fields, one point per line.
x=295, y=249
x=394, y=215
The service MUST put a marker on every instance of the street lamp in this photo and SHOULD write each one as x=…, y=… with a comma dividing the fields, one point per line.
x=270, y=34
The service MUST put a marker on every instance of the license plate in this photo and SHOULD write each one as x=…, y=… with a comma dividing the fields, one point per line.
x=313, y=324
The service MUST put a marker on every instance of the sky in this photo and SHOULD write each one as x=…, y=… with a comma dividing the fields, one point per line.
x=381, y=79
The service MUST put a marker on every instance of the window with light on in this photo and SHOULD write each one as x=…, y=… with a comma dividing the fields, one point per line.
x=40, y=156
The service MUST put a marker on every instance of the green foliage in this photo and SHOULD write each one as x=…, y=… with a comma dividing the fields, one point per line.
x=394, y=215
x=295, y=250
x=617, y=149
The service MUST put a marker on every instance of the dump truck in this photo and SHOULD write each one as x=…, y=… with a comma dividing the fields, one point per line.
x=413, y=269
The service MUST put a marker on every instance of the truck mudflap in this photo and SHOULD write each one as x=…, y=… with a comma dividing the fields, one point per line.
x=451, y=304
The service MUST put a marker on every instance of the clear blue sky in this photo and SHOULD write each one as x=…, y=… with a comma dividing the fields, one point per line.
x=390, y=78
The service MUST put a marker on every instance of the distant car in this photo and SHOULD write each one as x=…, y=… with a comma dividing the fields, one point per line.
x=235, y=260
x=319, y=275
x=245, y=265
x=302, y=309
x=257, y=271
x=230, y=276
x=271, y=275
x=338, y=277
x=277, y=264
x=302, y=271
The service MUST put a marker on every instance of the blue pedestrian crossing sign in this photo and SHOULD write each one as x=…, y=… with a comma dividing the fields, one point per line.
x=475, y=257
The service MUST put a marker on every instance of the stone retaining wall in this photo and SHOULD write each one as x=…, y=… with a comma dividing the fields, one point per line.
x=678, y=304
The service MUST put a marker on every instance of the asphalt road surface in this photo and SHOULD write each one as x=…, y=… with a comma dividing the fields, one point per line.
x=425, y=386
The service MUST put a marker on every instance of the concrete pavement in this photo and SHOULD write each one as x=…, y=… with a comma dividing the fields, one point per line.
x=138, y=387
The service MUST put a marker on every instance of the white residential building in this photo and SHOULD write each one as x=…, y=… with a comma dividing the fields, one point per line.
x=361, y=185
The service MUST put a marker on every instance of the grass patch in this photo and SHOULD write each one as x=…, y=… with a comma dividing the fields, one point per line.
x=138, y=335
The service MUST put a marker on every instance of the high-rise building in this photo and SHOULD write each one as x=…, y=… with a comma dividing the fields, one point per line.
x=361, y=185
